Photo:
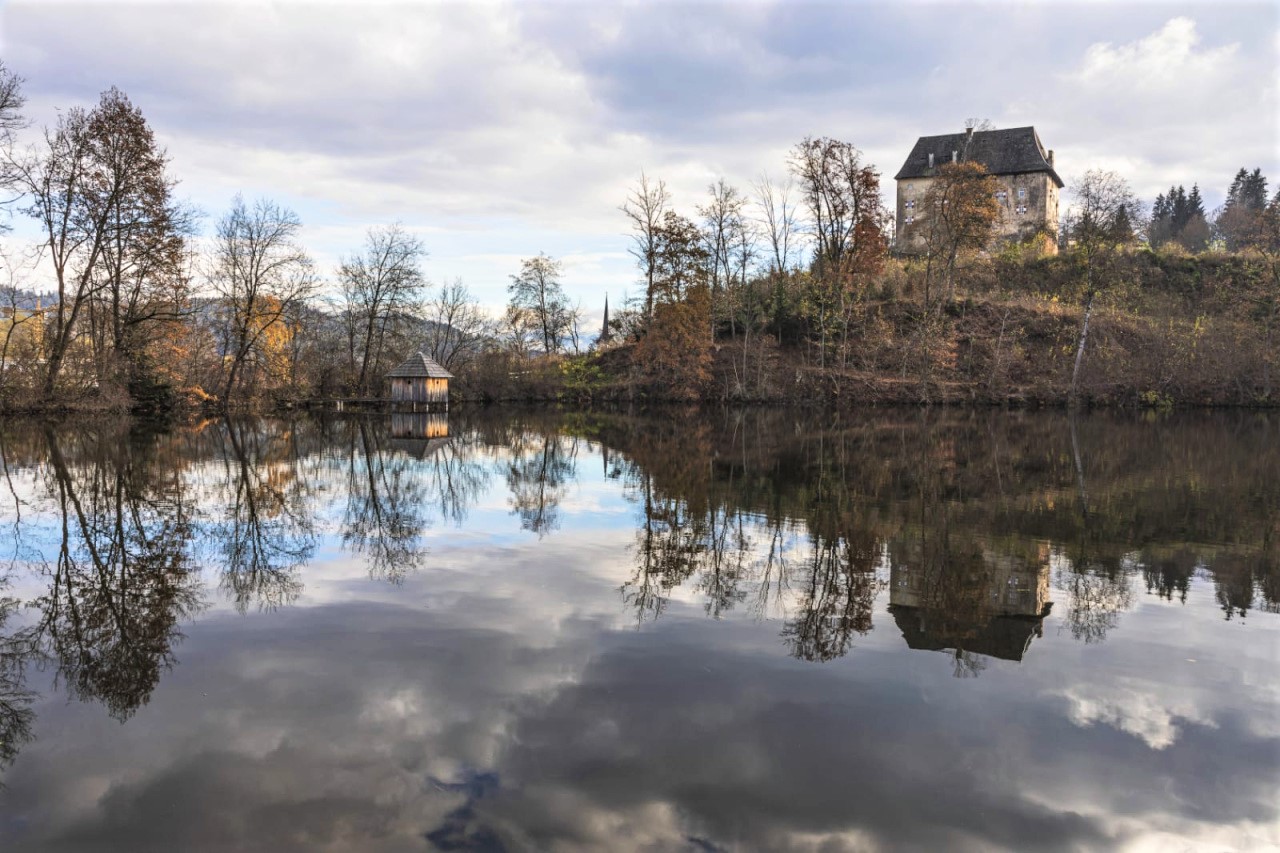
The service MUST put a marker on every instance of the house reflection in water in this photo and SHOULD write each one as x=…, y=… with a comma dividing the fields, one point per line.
x=982, y=603
x=418, y=434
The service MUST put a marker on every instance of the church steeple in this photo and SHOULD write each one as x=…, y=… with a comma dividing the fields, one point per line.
x=604, y=328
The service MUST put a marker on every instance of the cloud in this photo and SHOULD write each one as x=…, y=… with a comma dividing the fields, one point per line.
x=1165, y=61
x=1165, y=109
x=1134, y=709
x=512, y=128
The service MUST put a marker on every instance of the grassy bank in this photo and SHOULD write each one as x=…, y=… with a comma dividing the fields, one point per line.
x=987, y=350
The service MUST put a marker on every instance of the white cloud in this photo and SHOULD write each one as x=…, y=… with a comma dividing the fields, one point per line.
x=1166, y=60
x=1164, y=109
x=1135, y=709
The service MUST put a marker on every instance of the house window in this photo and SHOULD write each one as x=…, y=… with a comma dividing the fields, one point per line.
x=1022, y=192
x=910, y=219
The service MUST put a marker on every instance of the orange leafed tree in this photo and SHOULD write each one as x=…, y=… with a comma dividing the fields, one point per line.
x=846, y=221
x=961, y=211
x=675, y=352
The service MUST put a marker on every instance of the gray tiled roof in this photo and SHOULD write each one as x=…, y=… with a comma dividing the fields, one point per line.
x=418, y=366
x=1012, y=151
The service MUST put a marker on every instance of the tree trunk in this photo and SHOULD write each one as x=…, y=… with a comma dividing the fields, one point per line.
x=371, y=320
x=1073, y=396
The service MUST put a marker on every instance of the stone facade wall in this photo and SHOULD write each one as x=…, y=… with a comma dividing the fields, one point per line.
x=1028, y=208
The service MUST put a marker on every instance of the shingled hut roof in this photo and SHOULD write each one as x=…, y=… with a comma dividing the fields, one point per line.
x=419, y=366
x=1012, y=151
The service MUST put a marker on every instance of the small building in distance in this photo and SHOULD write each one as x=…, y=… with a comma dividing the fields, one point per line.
x=420, y=381
x=1023, y=167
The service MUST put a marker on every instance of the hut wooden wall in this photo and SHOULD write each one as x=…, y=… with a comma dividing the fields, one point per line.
x=419, y=426
x=419, y=390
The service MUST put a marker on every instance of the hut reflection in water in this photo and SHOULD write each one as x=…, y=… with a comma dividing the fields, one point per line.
x=418, y=434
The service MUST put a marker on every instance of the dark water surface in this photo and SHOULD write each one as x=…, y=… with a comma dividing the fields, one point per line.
x=733, y=631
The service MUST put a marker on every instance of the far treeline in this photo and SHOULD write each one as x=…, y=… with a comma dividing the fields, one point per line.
x=788, y=291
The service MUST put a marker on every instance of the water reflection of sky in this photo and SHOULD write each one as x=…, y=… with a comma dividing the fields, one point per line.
x=503, y=696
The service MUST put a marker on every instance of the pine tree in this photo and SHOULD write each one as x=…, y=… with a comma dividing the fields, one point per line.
x=1161, y=229
x=1122, y=226
x=1195, y=204
x=1160, y=209
x=1181, y=213
x=1235, y=193
x=1193, y=230
x=1246, y=202
x=1254, y=195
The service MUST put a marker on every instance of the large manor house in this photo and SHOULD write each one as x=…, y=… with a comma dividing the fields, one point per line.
x=1028, y=185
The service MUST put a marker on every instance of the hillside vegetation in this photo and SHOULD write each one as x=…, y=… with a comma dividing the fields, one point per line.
x=1175, y=329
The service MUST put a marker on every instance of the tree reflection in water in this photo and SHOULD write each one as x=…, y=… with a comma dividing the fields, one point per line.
x=264, y=530
x=400, y=476
x=121, y=584
x=974, y=524
x=384, y=518
x=18, y=651
x=538, y=476
x=966, y=519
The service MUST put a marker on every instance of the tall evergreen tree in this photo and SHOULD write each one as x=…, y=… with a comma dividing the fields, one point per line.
x=1254, y=196
x=1161, y=229
x=1195, y=204
x=1246, y=201
x=1194, y=233
x=1181, y=212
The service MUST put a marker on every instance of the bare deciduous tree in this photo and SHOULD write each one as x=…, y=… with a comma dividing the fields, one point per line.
x=98, y=188
x=11, y=121
x=379, y=286
x=730, y=239
x=457, y=328
x=778, y=218
x=259, y=272
x=1098, y=226
x=644, y=207
x=19, y=324
x=518, y=331
x=537, y=289
x=722, y=220
x=144, y=270
x=847, y=221
x=842, y=194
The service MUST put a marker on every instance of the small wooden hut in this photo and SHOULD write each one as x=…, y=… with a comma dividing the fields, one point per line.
x=420, y=382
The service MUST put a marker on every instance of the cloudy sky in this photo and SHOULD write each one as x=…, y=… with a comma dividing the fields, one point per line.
x=498, y=130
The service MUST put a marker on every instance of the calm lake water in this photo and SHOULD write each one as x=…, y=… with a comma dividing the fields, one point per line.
x=901, y=630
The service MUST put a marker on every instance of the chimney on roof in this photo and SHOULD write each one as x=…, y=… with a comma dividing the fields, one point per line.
x=1050, y=158
x=968, y=131
x=954, y=155
x=930, y=159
